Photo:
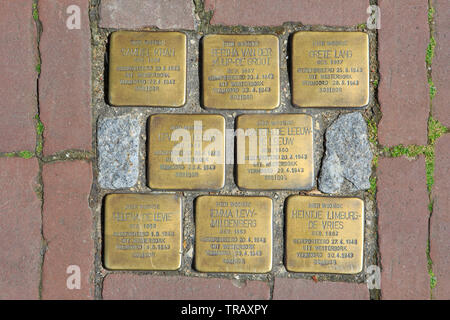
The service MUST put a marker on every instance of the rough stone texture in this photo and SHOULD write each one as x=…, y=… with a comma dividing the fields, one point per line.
x=440, y=220
x=18, y=60
x=132, y=286
x=403, y=228
x=403, y=91
x=67, y=229
x=173, y=14
x=118, y=150
x=440, y=65
x=20, y=229
x=301, y=289
x=65, y=81
x=348, y=155
x=275, y=12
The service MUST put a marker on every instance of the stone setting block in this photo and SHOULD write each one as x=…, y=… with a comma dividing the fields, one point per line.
x=118, y=150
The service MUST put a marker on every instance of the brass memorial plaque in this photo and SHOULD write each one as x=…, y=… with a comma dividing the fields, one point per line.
x=330, y=69
x=142, y=232
x=233, y=234
x=241, y=72
x=186, y=151
x=287, y=159
x=324, y=234
x=147, y=69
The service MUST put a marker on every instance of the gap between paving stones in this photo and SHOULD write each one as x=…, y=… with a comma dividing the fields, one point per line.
x=323, y=118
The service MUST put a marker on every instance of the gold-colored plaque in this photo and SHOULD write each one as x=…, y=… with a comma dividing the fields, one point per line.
x=330, y=69
x=147, y=69
x=241, y=72
x=275, y=151
x=324, y=234
x=233, y=234
x=142, y=232
x=186, y=151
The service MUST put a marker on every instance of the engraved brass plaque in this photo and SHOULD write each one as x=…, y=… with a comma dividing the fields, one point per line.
x=241, y=72
x=291, y=167
x=233, y=234
x=330, y=69
x=186, y=151
x=147, y=69
x=324, y=234
x=142, y=232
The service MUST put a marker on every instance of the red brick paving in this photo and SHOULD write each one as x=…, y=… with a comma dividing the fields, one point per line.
x=301, y=289
x=20, y=229
x=440, y=65
x=65, y=82
x=403, y=92
x=440, y=220
x=174, y=14
x=67, y=229
x=403, y=228
x=132, y=286
x=276, y=12
x=18, y=60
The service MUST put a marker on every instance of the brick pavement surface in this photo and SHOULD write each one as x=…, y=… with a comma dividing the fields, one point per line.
x=403, y=91
x=130, y=286
x=440, y=220
x=18, y=60
x=20, y=229
x=276, y=12
x=301, y=289
x=67, y=226
x=402, y=200
x=440, y=65
x=65, y=81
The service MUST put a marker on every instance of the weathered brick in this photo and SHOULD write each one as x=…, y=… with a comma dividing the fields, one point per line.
x=131, y=14
x=276, y=12
x=440, y=220
x=20, y=229
x=403, y=92
x=403, y=228
x=301, y=289
x=67, y=227
x=18, y=60
x=65, y=81
x=132, y=286
x=440, y=65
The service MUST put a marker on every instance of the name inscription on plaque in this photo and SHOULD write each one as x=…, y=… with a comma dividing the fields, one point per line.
x=260, y=167
x=324, y=234
x=142, y=232
x=330, y=69
x=241, y=72
x=233, y=234
x=147, y=69
x=186, y=151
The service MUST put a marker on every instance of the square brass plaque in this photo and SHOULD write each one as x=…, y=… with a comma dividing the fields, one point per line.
x=330, y=69
x=324, y=234
x=142, y=232
x=291, y=168
x=241, y=72
x=147, y=69
x=186, y=151
x=233, y=234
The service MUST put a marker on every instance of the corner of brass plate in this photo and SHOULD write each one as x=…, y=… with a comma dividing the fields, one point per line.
x=330, y=69
x=241, y=71
x=292, y=168
x=204, y=169
x=324, y=234
x=147, y=68
x=233, y=234
x=142, y=231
